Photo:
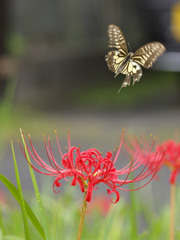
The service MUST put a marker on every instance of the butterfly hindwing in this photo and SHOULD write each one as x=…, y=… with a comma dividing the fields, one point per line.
x=114, y=60
x=148, y=54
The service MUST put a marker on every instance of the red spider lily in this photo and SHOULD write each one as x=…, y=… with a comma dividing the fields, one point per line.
x=171, y=157
x=153, y=157
x=89, y=168
x=100, y=204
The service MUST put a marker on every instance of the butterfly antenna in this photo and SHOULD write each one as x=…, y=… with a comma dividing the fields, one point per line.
x=129, y=47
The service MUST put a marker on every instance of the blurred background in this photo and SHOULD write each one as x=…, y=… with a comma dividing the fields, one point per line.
x=53, y=75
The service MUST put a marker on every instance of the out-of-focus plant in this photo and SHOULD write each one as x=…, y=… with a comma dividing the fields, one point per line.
x=170, y=158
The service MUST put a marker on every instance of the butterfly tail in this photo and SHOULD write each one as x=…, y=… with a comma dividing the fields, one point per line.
x=116, y=75
x=127, y=82
x=137, y=75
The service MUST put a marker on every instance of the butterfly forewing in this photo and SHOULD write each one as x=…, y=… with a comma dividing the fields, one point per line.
x=148, y=54
x=115, y=58
x=117, y=39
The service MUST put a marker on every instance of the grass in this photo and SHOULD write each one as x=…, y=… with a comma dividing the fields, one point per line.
x=63, y=217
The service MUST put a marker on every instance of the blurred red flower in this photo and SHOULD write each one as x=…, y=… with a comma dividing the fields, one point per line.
x=145, y=151
x=89, y=168
x=100, y=204
x=171, y=157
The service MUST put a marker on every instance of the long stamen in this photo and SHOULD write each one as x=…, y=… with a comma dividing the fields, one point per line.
x=59, y=148
x=127, y=174
x=49, y=156
x=120, y=145
x=37, y=158
x=134, y=156
x=154, y=173
x=52, y=156
x=69, y=140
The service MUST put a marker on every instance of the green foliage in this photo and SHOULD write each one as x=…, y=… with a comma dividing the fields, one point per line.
x=16, y=194
x=63, y=215
x=36, y=190
x=22, y=203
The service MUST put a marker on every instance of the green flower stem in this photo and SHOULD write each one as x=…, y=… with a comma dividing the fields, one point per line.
x=134, y=233
x=172, y=212
x=133, y=215
x=83, y=212
x=1, y=221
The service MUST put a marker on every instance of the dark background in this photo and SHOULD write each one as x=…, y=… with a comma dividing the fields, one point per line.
x=56, y=50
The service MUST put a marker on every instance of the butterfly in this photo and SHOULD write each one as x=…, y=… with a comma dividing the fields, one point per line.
x=120, y=61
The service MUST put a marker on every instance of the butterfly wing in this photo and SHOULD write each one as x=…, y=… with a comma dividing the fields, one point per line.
x=148, y=54
x=117, y=39
x=115, y=58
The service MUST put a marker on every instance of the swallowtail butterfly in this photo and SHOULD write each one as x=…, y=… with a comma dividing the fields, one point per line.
x=120, y=61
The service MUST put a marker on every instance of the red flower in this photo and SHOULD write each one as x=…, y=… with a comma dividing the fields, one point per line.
x=171, y=157
x=89, y=168
x=145, y=151
x=101, y=204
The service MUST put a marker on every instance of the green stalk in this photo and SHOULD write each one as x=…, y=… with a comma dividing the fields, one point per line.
x=83, y=212
x=134, y=233
x=172, y=211
x=22, y=203
x=36, y=190
x=1, y=221
x=133, y=215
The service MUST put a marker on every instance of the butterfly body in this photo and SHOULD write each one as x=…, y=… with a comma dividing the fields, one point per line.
x=120, y=61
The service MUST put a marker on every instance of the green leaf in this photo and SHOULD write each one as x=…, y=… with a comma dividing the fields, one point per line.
x=143, y=235
x=22, y=204
x=111, y=226
x=14, y=191
x=36, y=190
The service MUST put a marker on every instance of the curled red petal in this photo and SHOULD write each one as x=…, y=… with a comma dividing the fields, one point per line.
x=89, y=192
x=65, y=163
x=81, y=184
x=117, y=195
x=57, y=184
x=74, y=181
x=109, y=155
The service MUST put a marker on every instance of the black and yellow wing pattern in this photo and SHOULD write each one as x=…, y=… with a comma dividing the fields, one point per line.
x=120, y=61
